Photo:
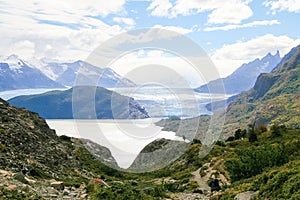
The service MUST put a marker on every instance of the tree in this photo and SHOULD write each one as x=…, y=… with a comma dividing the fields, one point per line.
x=262, y=128
x=252, y=135
x=239, y=133
x=277, y=130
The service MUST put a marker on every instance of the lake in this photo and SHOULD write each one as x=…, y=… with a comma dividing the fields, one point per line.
x=159, y=102
x=124, y=138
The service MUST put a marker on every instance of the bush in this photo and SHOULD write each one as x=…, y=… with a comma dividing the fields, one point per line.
x=20, y=177
x=2, y=131
x=252, y=136
x=196, y=141
x=65, y=138
x=276, y=130
x=3, y=148
x=239, y=133
x=229, y=139
x=220, y=143
x=255, y=160
x=261, y=128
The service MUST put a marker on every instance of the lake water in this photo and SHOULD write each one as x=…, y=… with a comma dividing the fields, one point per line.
x=159, y=102
x=124, y=138
x=163, y=102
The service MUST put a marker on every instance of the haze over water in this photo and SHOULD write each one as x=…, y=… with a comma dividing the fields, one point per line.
x=117, y=135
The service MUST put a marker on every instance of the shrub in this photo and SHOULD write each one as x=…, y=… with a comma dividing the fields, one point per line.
x=2, y=131
x=261, y=128
x=3, y=148
x=277, y=130
x=220, y=143
x=253, y=161
x=229, y=139
x=65, y=138
x=239, y=133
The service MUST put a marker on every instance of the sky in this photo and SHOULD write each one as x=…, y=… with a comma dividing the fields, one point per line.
x=231, y=32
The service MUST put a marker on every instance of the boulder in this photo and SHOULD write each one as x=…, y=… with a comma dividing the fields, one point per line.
x=248, y=195
x=12, y=187
x=58, y=185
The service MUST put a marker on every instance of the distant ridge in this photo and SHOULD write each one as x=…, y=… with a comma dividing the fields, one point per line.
x=18, y=74
x=83, y=73
x=274, y=99
x=60, y=104
x=244, y=77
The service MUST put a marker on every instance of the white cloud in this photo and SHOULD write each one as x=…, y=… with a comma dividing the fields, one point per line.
x=26, y=48
x=231, y=56
x=56, y=29
x=247, y=25
x=160, y=8
x=156, y=66
x=123, y=20
x=283, y=5
x=231, y=11
x=176, y=29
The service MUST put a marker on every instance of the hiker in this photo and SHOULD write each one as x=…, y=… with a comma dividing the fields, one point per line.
x=214, y=184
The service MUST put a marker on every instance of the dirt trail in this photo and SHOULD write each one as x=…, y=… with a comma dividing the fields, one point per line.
x=202, y=181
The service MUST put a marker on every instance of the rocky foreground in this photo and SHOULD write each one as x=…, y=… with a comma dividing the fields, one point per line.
x=39, y=189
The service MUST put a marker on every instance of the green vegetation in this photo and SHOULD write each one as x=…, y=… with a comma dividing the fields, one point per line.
x=2, y=131
x=3, y=148
x=270, y=166
x=273, y=100
x=6, y=194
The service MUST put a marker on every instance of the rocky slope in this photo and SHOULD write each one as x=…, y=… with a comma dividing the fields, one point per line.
x=28, y=144
x=82, y=102
x=274, y=99
x=244, y=77
x=158, y=154
x=41, y=164
x=18, y=74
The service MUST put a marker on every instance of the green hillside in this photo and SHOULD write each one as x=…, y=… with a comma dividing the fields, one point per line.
x=274, y=98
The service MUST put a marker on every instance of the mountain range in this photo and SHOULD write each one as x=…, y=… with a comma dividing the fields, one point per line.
x=16, y=73
x=82, y=102
x=245, y=76
x=83, y=73
x=274, y=99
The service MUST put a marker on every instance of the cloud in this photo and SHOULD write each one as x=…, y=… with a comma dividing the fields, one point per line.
x=283, y=5
x=176, y=29
x=126, y=21
x=247, y=25
x=231, y=56
x=56, y=29
x=160, y=8
x=231, y=11
x=159, y=67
